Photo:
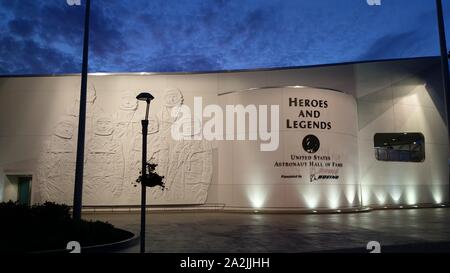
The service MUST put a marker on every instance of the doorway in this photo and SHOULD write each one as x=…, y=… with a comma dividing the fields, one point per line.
x=18, y=189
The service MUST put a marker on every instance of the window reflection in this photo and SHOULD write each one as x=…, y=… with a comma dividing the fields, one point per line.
x=400, y=147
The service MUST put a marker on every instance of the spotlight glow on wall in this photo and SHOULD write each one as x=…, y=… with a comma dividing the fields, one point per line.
x=381, y=196
x=334, y=197
x=365, y=192
x=350, y=194
x=311, y=197
x=437, y=195
x=396, y=194
x=411, y=196
x=257, y=197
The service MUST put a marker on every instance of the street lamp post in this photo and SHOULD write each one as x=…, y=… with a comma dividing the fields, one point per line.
x=444, y=57
x=147, y=97
x=444, y=54
x=79, y=168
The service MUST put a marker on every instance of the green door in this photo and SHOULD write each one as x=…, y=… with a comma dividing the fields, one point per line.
x=24, y=190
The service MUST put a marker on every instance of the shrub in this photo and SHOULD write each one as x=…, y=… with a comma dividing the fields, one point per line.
x=50, y=227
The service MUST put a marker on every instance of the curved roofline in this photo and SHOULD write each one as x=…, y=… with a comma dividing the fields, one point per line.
x=218, y=71
x=277, y=87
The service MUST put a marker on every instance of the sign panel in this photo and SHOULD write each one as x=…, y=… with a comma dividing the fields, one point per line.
x=317, y=155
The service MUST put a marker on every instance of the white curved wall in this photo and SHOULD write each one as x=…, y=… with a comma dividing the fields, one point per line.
x=326, y=178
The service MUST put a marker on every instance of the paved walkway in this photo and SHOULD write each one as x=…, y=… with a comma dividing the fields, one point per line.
x=189, y=232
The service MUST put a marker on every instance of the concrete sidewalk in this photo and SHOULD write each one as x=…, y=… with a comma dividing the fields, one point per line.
x=188, y=232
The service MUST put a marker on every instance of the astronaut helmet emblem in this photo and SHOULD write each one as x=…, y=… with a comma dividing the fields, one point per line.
x=311, y=144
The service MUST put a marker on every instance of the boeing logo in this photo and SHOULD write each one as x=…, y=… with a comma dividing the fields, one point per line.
x=314, y=177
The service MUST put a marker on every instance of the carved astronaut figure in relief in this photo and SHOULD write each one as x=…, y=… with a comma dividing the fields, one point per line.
x=61, y=140
x=172, y=99
x=190, y=164
x=184, y=164
x=127, y=109
x=56, y=172
x=104, y=163
x=93, y=109
x=113, y=155
x=135, y=161
x=56, y=164
x=91, y=97
x=124, y=133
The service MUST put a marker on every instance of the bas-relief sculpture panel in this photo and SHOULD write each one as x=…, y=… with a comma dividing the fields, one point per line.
x=113, y=156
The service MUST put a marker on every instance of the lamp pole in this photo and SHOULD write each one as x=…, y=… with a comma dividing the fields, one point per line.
x=79, y=168
x=147, y=97
x=444, y=57
x=444, y=54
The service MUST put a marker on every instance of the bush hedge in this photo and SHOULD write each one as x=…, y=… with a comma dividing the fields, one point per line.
x=50, y=227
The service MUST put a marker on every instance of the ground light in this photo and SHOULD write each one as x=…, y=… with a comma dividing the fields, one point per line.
x=147, y=97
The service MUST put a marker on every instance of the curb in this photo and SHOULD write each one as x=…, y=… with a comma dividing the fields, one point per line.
x=110, y=247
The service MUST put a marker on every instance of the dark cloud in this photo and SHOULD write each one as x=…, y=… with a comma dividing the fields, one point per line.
x=21, y=27
x=106, y=39
x=61, y=23
x=196, y=35
x=399, y=45
x=43, y=37
x=28, y=57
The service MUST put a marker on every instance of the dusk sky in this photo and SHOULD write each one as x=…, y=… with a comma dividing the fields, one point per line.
x=45, y=37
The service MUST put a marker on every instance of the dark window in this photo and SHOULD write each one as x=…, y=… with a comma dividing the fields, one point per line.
x=402, y=147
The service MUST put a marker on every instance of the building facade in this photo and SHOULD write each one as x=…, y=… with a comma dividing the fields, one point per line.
x=318, y=138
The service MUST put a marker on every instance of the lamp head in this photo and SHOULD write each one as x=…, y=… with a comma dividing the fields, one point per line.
x=145, y=97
